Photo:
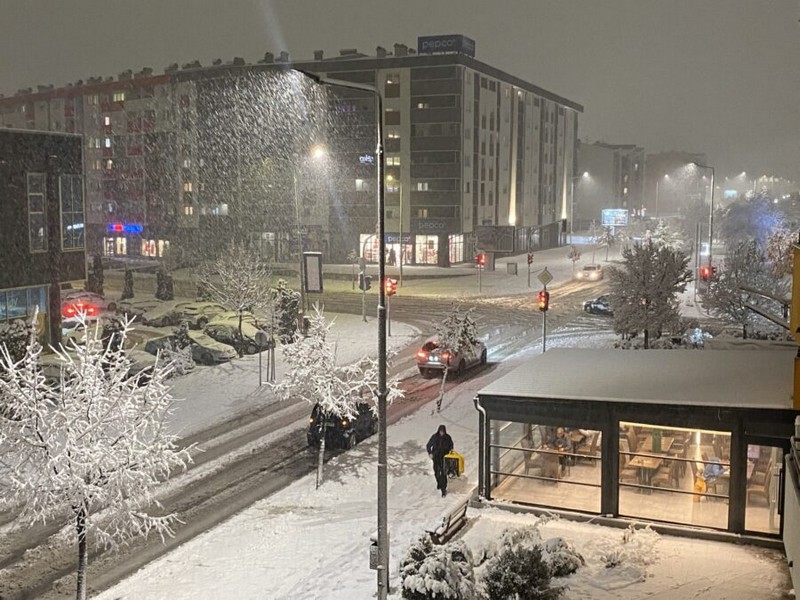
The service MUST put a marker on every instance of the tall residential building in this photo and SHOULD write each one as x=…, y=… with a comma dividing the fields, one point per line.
x=609, y=176
x=475, y=157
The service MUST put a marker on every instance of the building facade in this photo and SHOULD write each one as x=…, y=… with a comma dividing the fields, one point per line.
x=41, y=225
x=610, y=176
x=475, y=157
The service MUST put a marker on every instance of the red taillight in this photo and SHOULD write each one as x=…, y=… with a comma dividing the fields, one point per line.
x=68, y=311
x=445, y=356
x=422, y=354
x=90, y=309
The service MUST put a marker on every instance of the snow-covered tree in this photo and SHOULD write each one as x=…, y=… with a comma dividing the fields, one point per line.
x=664, y=235
x=239, y=279
x=456, y=333
x=429, y=572
x=14, y=335
x=644, y=290
x=127, y=285
x=90, y=448
x=314, y=375
x=779, y=251
x=743, y=267
x=520, y=572
x=747, y=220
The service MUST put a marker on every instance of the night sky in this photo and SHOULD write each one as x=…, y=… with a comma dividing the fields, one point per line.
x=715, y=76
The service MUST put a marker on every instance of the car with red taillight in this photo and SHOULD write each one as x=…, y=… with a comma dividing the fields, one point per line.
x=91, y=304
x=432, y=360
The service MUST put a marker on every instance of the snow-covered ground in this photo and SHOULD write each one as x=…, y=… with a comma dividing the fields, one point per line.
x=303, y=543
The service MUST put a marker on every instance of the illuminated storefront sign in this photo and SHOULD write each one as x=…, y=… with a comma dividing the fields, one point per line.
x=125, y=228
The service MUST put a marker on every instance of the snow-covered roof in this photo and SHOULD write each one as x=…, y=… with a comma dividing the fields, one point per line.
x=741, y=378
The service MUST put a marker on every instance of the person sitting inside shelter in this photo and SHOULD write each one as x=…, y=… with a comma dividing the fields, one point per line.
x=562, y=444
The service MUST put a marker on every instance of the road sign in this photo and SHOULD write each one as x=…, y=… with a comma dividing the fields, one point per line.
x=545, y=277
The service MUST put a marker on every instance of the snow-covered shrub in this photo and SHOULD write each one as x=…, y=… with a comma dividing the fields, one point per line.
x=180, y=358
x=636, y=550
x=15, y=335
x=165, y=288
x=287, y=308
x=662, y=343
x=520, y=573
x=562, y=557
x=429, y=572
x=182, y=339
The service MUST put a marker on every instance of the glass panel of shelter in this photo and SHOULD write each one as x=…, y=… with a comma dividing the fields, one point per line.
x=546, y=465
x=674, y=474
x=764, y=471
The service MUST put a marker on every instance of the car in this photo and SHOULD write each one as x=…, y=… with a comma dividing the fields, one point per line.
x=599, y=306
x=92, y=304
x=431, y=361
x=227, y=332
x=205, y=350
x=199, y=314
x=590, y=272
x=341, y=432
x=161, y=314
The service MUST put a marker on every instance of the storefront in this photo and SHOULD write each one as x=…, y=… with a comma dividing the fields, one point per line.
x=687, y=438
x=416, y=249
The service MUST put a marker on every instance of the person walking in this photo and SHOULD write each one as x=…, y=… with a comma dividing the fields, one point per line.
x=438, y=446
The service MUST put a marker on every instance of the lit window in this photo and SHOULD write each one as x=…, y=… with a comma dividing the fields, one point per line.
x=106, y=121
x=188, y=210
x=97, y=165
x=187, y=163
x=393, y=135
x=70, y=191
x=119, y=96
x=37, y=226
x=107, y=142
x=422, y=186
x=362, y=185
x=422, y=213
x=625, y=190
x=187, y=186
x=393, y=161
x=109, y=164
x=423, y=105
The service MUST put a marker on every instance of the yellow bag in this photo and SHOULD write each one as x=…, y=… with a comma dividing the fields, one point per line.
x=453, y=464
x=700, y=487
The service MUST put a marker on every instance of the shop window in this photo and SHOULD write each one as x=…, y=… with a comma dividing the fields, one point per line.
x=121, y=246
x=674, y=474
x=16, y=304
x=37, y=224
x=546, y=465
x=427, y=249
x=456, y=248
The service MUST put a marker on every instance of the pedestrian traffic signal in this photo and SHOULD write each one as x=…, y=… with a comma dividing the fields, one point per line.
x=530, y=258
x=705, y=272
x=543, y=300
x=364, y=282
x=390, y=286
x=480, y=259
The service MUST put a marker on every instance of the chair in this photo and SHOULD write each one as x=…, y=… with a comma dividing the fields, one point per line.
x=668, y=476
x=633, y=440
x=588, y=448
x=550, y=466
x=761, y=488
x=532, y=460
x=626, y=474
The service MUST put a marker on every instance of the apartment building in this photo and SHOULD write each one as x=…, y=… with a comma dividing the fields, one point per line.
x=476, y=158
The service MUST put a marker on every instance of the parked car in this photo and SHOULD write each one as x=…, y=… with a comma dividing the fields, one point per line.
x=341, y=432
x=227, y=332
x=590, y=272
x=166, y=313
x=599, y=306
x=93, y=305
x=199, y=314
x=431, y=360
x=205, y=350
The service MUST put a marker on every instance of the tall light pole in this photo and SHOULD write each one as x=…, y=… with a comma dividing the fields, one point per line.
x=402, y=243
x=710, y=212
x=383, y=531
x=572, y=180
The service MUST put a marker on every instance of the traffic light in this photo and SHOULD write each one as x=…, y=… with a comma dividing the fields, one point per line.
x=543, y=300
x=530, y=258
x=480, y=259
x=390, y=286
x=705, y=272
x=364, y=282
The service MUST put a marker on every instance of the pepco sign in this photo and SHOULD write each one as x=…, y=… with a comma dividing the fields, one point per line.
x=435, y=44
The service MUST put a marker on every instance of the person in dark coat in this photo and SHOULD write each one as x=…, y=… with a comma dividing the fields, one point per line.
x=440, y=444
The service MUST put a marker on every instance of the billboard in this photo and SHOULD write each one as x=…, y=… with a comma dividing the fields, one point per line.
x=439, y=44
x=614, y=217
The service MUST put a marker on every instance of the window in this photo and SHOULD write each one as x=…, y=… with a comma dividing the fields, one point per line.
x=466, y=187
x=97, y=165
x=362, y=185
x=187, y=186
x=422, y=186
x=107, y=142
x=393, y=135
x=37, y=224
x=119, y=97
x=392, y=117
x=92, y=99
x=187, y=163
x=109, y=164
x=71, y=200
x=423, y=105
x=422, y=213
x=107, y=121
x=393, y=161
x=188, y=210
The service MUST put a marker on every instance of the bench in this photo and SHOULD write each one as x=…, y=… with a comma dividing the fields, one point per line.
x=449, y=524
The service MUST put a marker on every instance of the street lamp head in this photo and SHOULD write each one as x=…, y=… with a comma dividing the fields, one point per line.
x=318, y=151
x=585, y=174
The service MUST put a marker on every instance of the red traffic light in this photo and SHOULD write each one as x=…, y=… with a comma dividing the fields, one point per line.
x=705, y=272
x=543, y=300
x=480, y=259
x=390, y=286
x=530, y=258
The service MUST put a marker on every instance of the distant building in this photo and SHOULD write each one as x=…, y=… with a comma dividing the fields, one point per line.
x=41, y=225
x=482, y=159
x=609, y=176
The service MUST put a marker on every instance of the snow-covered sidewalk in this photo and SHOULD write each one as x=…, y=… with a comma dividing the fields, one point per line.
x=303, y=543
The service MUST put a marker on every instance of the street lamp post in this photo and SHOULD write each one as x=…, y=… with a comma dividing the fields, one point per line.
x=383, y=532
x=299, y=241
x=710, y=212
